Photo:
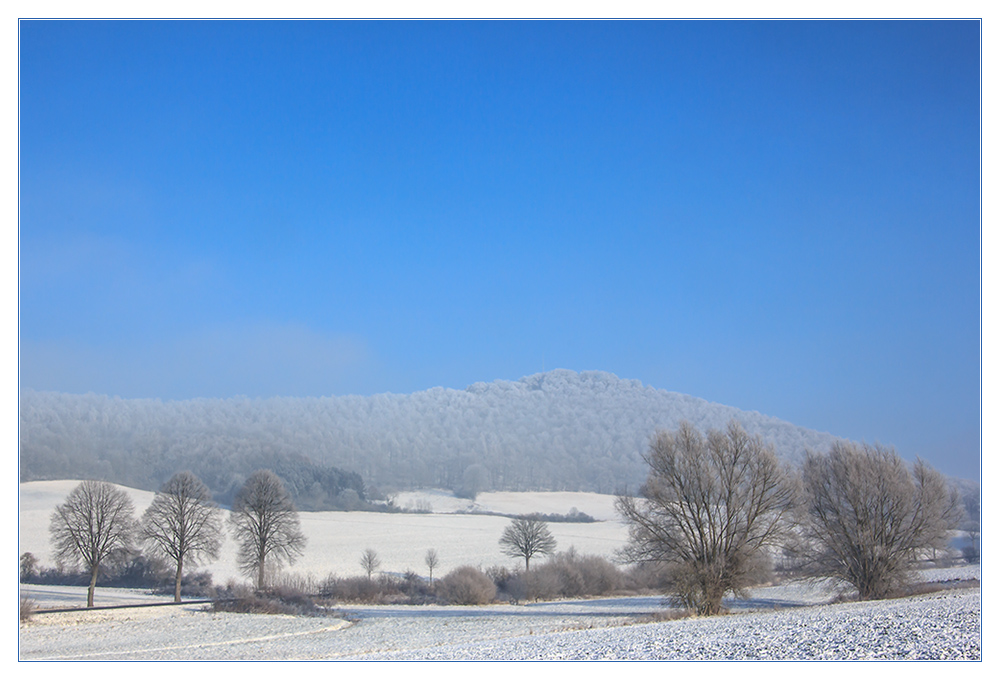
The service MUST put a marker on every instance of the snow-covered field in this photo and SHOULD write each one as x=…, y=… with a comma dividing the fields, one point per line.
x=944, y=626
x=335, y=540
x=599, y=506
x=780, y=622
x=789, y=621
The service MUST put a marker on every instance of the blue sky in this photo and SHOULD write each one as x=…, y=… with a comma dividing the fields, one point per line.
x=778, y=216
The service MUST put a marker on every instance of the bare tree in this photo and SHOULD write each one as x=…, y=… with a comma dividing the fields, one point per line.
x=870, y=516
x=370, y=562
x=97, y=520
x=526, y=537
x=709, y=508
x=183, y=524
x=266, y=525
x=431, y=560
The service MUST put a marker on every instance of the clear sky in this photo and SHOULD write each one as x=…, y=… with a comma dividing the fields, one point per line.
x=777, y=216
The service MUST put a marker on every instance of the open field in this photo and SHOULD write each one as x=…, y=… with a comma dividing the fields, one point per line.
x=781, y=622
x=336, y=539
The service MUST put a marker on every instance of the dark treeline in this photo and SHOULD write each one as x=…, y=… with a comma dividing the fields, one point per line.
x=560, y=431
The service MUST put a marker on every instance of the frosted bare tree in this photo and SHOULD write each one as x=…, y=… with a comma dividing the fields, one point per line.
x=708, y=509
x=96, y=520
x=526, y=537
x=265, y=524
x=870, y=516
x=370, y=562
x=431, y=560
x=182, y=524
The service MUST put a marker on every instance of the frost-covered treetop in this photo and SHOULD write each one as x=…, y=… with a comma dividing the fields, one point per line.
x=559, y=430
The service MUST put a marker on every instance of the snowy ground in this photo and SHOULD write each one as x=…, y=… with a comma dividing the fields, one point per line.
x=335, y=540
x=943, y=626
x=63, y=597
x=778, y=622
x=790, y=621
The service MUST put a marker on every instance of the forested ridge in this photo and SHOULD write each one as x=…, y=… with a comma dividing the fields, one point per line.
x=560, y=431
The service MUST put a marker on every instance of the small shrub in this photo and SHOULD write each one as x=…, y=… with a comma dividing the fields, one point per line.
x=28, y=608
x=58, y=576
x=294, y=589
x=252, y=604
x=196, y=584
x=542, y=583
x=416, y=589
x=573, y=516
x=510, y=585
x=127, y=569
x=467, y=585
x=385, y=589
x=360, y=589
x=569, y=574
x=242, y=599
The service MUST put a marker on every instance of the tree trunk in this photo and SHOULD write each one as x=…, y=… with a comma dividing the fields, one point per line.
x=526, y=567
x=177, y=582
x=260, y=574
x=93, y=585
x=711, y=601
x=713, y=606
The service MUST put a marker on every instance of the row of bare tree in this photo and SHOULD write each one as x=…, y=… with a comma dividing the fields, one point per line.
x=714, y=508
x=182, y=524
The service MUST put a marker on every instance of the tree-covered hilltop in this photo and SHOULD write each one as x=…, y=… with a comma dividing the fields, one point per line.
x=559, y=431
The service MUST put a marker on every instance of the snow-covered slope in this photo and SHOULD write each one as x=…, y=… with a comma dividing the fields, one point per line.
x=335, y=540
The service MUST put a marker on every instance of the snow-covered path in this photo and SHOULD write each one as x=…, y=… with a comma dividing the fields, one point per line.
x=189, y=632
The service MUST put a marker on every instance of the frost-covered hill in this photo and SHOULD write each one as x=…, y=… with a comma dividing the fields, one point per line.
x=553, y=431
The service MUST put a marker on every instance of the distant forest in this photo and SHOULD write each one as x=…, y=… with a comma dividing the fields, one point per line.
x=555, y=431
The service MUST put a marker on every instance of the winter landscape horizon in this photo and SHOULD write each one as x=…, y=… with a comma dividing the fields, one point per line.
x=500, y=340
